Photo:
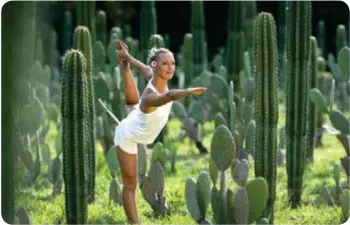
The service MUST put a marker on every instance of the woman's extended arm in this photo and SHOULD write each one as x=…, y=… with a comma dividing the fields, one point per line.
x=153, y=100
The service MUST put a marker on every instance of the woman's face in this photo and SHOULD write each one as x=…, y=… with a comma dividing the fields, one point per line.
x=165, y=65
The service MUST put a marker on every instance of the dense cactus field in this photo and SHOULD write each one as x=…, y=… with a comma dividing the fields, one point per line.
x=268, y=143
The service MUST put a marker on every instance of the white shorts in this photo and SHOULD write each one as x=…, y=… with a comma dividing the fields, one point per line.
x=124, y=139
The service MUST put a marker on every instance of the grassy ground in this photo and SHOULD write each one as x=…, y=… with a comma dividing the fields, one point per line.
x=44, y=209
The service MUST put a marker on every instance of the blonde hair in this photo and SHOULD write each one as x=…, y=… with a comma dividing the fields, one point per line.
x=154, y=52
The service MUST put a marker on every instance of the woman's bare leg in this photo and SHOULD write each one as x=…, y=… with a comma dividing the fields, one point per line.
x=128, y=165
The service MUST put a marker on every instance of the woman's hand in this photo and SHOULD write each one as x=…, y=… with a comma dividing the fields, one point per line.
x=196, y=90
x=122, y=51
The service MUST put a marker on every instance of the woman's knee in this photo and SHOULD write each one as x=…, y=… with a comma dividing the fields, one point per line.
x=130, y=182
x=127, y=163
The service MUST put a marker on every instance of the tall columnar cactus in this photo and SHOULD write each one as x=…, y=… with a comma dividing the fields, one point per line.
x=156, y=40
x=321, y=38
x=344, y=78
x=148, y=19
x=101, y=27
x=341, y=37
x=266, y=103
x=86, y=11
x=188, y=53
x=82, y=42
x=39, y=51
x=67, y=30
x=251, y=11
x=198, y=32
x=127, y=30
x=297, y=47
x=281, y=12
x=75, y=125
x=188, y=61
x=54, y=55
x=111, y=49
x=99, y=57
x=311, y=113
x=235, y=45
x=15, y=17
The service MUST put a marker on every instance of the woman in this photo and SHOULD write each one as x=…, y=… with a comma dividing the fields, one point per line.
x=146, y=116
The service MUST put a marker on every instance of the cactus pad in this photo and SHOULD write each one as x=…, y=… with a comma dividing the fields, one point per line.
x=345, y=203
x=240, y=171
x=223, y=149
x=191, y=199
x=343, y=61
x=257, y=195
x=318, y=99
x=203, y=191
x=339, y=121
x=241, y=206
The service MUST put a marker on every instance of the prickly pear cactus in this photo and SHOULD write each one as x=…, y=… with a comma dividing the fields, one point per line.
x=220, y=120
x=223, y=149
x=345, y=203
x=152, y=190
x=191, y=199
x=339, y=121
x=115, y=193
x=198, y=195
x=240, y=171
x=241, y=206
x=257, y=190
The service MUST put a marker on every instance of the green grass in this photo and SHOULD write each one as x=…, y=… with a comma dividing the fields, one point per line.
x=44, y=209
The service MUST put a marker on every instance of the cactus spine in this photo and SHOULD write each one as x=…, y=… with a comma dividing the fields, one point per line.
x=311, y=110
x=82, y=42
x=198, y=31
x=297, y=47
x=266, y=104
x=75, y=116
